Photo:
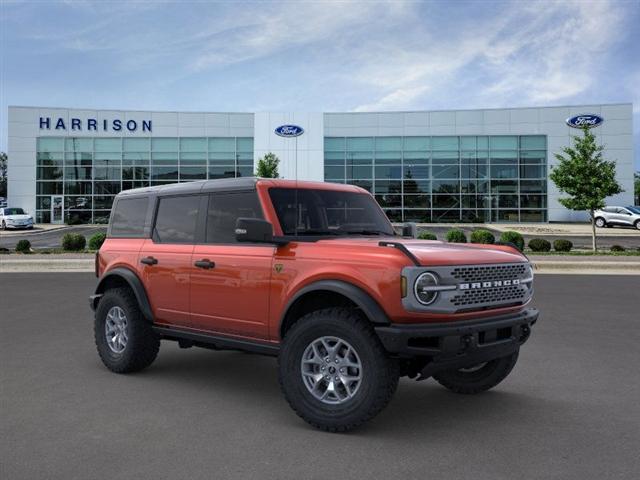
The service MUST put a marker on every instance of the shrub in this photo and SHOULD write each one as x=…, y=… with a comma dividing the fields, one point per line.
x=23, y=246
x=427, y=236
x=73, y=242
x=617, y=248
x=513, y=237
x=96, y=240
x=539, y=245
x=482, y=236
x=456, y=236
x=74, y=220
x=562, y=245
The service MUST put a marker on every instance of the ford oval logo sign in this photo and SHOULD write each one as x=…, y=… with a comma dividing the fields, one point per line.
x=289, y=131
x=587, y=120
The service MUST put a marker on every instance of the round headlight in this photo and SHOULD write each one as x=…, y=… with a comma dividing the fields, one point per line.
x=423, y=288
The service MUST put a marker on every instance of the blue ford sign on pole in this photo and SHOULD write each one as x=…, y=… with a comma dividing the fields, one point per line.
x=289, y=131
x=587, y=120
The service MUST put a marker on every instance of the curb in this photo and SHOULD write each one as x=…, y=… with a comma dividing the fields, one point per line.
x=48, y=265
x=601, y=267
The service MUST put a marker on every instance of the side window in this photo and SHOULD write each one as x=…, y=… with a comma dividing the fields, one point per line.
x=176, y=219
x=225, y=209
x=129, y=216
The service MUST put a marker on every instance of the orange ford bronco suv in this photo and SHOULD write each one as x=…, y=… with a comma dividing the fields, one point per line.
x=312, y=273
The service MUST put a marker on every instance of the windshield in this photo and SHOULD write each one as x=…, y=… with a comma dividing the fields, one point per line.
x=13, y=211
x=328, y=212
x=635, y=210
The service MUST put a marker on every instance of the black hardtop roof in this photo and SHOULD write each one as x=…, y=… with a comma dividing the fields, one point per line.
x=199, y=186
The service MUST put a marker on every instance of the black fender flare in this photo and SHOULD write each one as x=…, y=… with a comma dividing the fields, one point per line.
x=134, y=283
x=372, y=310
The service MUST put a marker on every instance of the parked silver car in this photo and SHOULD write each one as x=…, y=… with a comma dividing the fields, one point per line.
x=621, y=216
x=15, y=218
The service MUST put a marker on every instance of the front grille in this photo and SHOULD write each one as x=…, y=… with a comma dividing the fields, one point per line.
x=485, y=273
x=492, y=295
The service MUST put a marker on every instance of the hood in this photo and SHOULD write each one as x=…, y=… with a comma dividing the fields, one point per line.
x=18, y=217
x=432, y=252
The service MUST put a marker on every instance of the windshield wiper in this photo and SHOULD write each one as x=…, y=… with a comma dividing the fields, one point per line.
x=368, y=232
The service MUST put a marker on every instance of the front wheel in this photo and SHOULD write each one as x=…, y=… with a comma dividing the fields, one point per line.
x=333, y=370
x=600, y=223
x=477, y=378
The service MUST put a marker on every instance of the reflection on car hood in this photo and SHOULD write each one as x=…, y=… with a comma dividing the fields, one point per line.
x=17, y=217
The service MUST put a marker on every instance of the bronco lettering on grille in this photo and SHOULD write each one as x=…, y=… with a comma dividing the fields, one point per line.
x=495, y=283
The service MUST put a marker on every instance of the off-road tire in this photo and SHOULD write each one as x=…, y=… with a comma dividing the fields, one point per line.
x=380, y=373
x=143, y=343
x=480, y=380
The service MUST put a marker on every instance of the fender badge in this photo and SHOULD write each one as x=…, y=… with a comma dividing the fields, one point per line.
x=279, y=267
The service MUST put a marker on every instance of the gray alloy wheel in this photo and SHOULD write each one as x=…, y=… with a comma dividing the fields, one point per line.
x=600, y=222
x=331, y=370
x=115, y=330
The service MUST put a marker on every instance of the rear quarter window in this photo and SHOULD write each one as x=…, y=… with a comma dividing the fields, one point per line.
x=128, y=217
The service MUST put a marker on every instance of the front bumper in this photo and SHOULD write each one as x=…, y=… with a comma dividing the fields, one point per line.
x=454, y=345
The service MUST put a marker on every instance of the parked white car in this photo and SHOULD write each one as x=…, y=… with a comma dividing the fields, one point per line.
x=621, y=216
x=15, y=218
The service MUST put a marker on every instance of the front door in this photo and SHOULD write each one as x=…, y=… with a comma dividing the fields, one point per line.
x=230, y=281
x=165, y=259
x=57, y=209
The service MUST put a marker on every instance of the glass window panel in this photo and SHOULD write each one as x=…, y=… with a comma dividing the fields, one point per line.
x=444, y=143
x=532, y=171
x=77, y=216
x=43, y=202
x=193, y=158
x=533, y=142
x=445, y=216
x=366, y=184
x=474, y=171
x=107, y=144
x=219, y=158
x=450, y=171
x=334, y=173
x=504, y=186
x=50, y=158
x=359, y=143
x=416, y=201
x=222, y=172
x=245, y=145
x=475, y=216
x=445, y=158
x=224, y=211
x=129, y=217
x=468, y=143
x=388, y=143
x=190, y=144
x=504, y=171
x=164, y=173
x=164, y=144
x=72, y=202
x=107, y=173
x=144, y=144
x=193, y=173
x=334, y=144
x=49, y=188
x=81, y=188
x=417, y=144
x=389, y=200
x=49, y=173
x=103, y=202
x=245, y=172
x=50, y=144
x=503, y=142
x=77, y=173
x=505, y=216
x=533, y=201
x=388, y=172
x=334, y=158
x=482, y=143
x=222, y=144
x=533, y=186
x=416, y=171
x=420, y=186
x=359, y=172
x=164, y=158
x=445, y=186
x=504, y=157
x=419, y=216
x=101, y=216
x=388, y=158
x=416, y=158
x=508, y=201
x=388, y=186
x=245, y=159
x=534, y=156
x=78, y=144
x=394, y=215
x=83, y=158
x=533, y=216
x=359, y=158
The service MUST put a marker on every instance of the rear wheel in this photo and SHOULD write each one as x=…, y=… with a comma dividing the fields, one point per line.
x=600, y=223
x=477, y=378
x=637, y=224
x=124, y=338
x=333, y=370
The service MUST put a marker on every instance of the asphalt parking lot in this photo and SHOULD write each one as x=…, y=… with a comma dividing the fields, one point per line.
x=569, y=410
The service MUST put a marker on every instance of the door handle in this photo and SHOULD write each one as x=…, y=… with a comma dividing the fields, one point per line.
x=149, y=261
x=205, y=263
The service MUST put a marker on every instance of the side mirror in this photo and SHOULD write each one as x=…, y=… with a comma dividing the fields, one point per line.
x=253, y=230
x=410, y=230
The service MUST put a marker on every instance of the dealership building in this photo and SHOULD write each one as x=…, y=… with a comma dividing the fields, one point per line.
x=423, y=166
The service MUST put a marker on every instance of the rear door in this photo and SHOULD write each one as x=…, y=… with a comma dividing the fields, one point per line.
x=165, y=258
x=230, y=281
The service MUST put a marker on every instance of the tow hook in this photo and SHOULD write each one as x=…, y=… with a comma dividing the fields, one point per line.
x=467, y=342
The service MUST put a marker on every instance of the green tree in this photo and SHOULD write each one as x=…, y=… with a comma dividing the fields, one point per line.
x=3, y=174
x=268, y=166
x=636, y=187
x=585, y=177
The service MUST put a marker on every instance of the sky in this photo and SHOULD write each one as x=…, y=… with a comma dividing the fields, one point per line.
x=318, y=55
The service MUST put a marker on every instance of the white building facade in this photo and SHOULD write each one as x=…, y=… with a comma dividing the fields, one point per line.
x=66, y=165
